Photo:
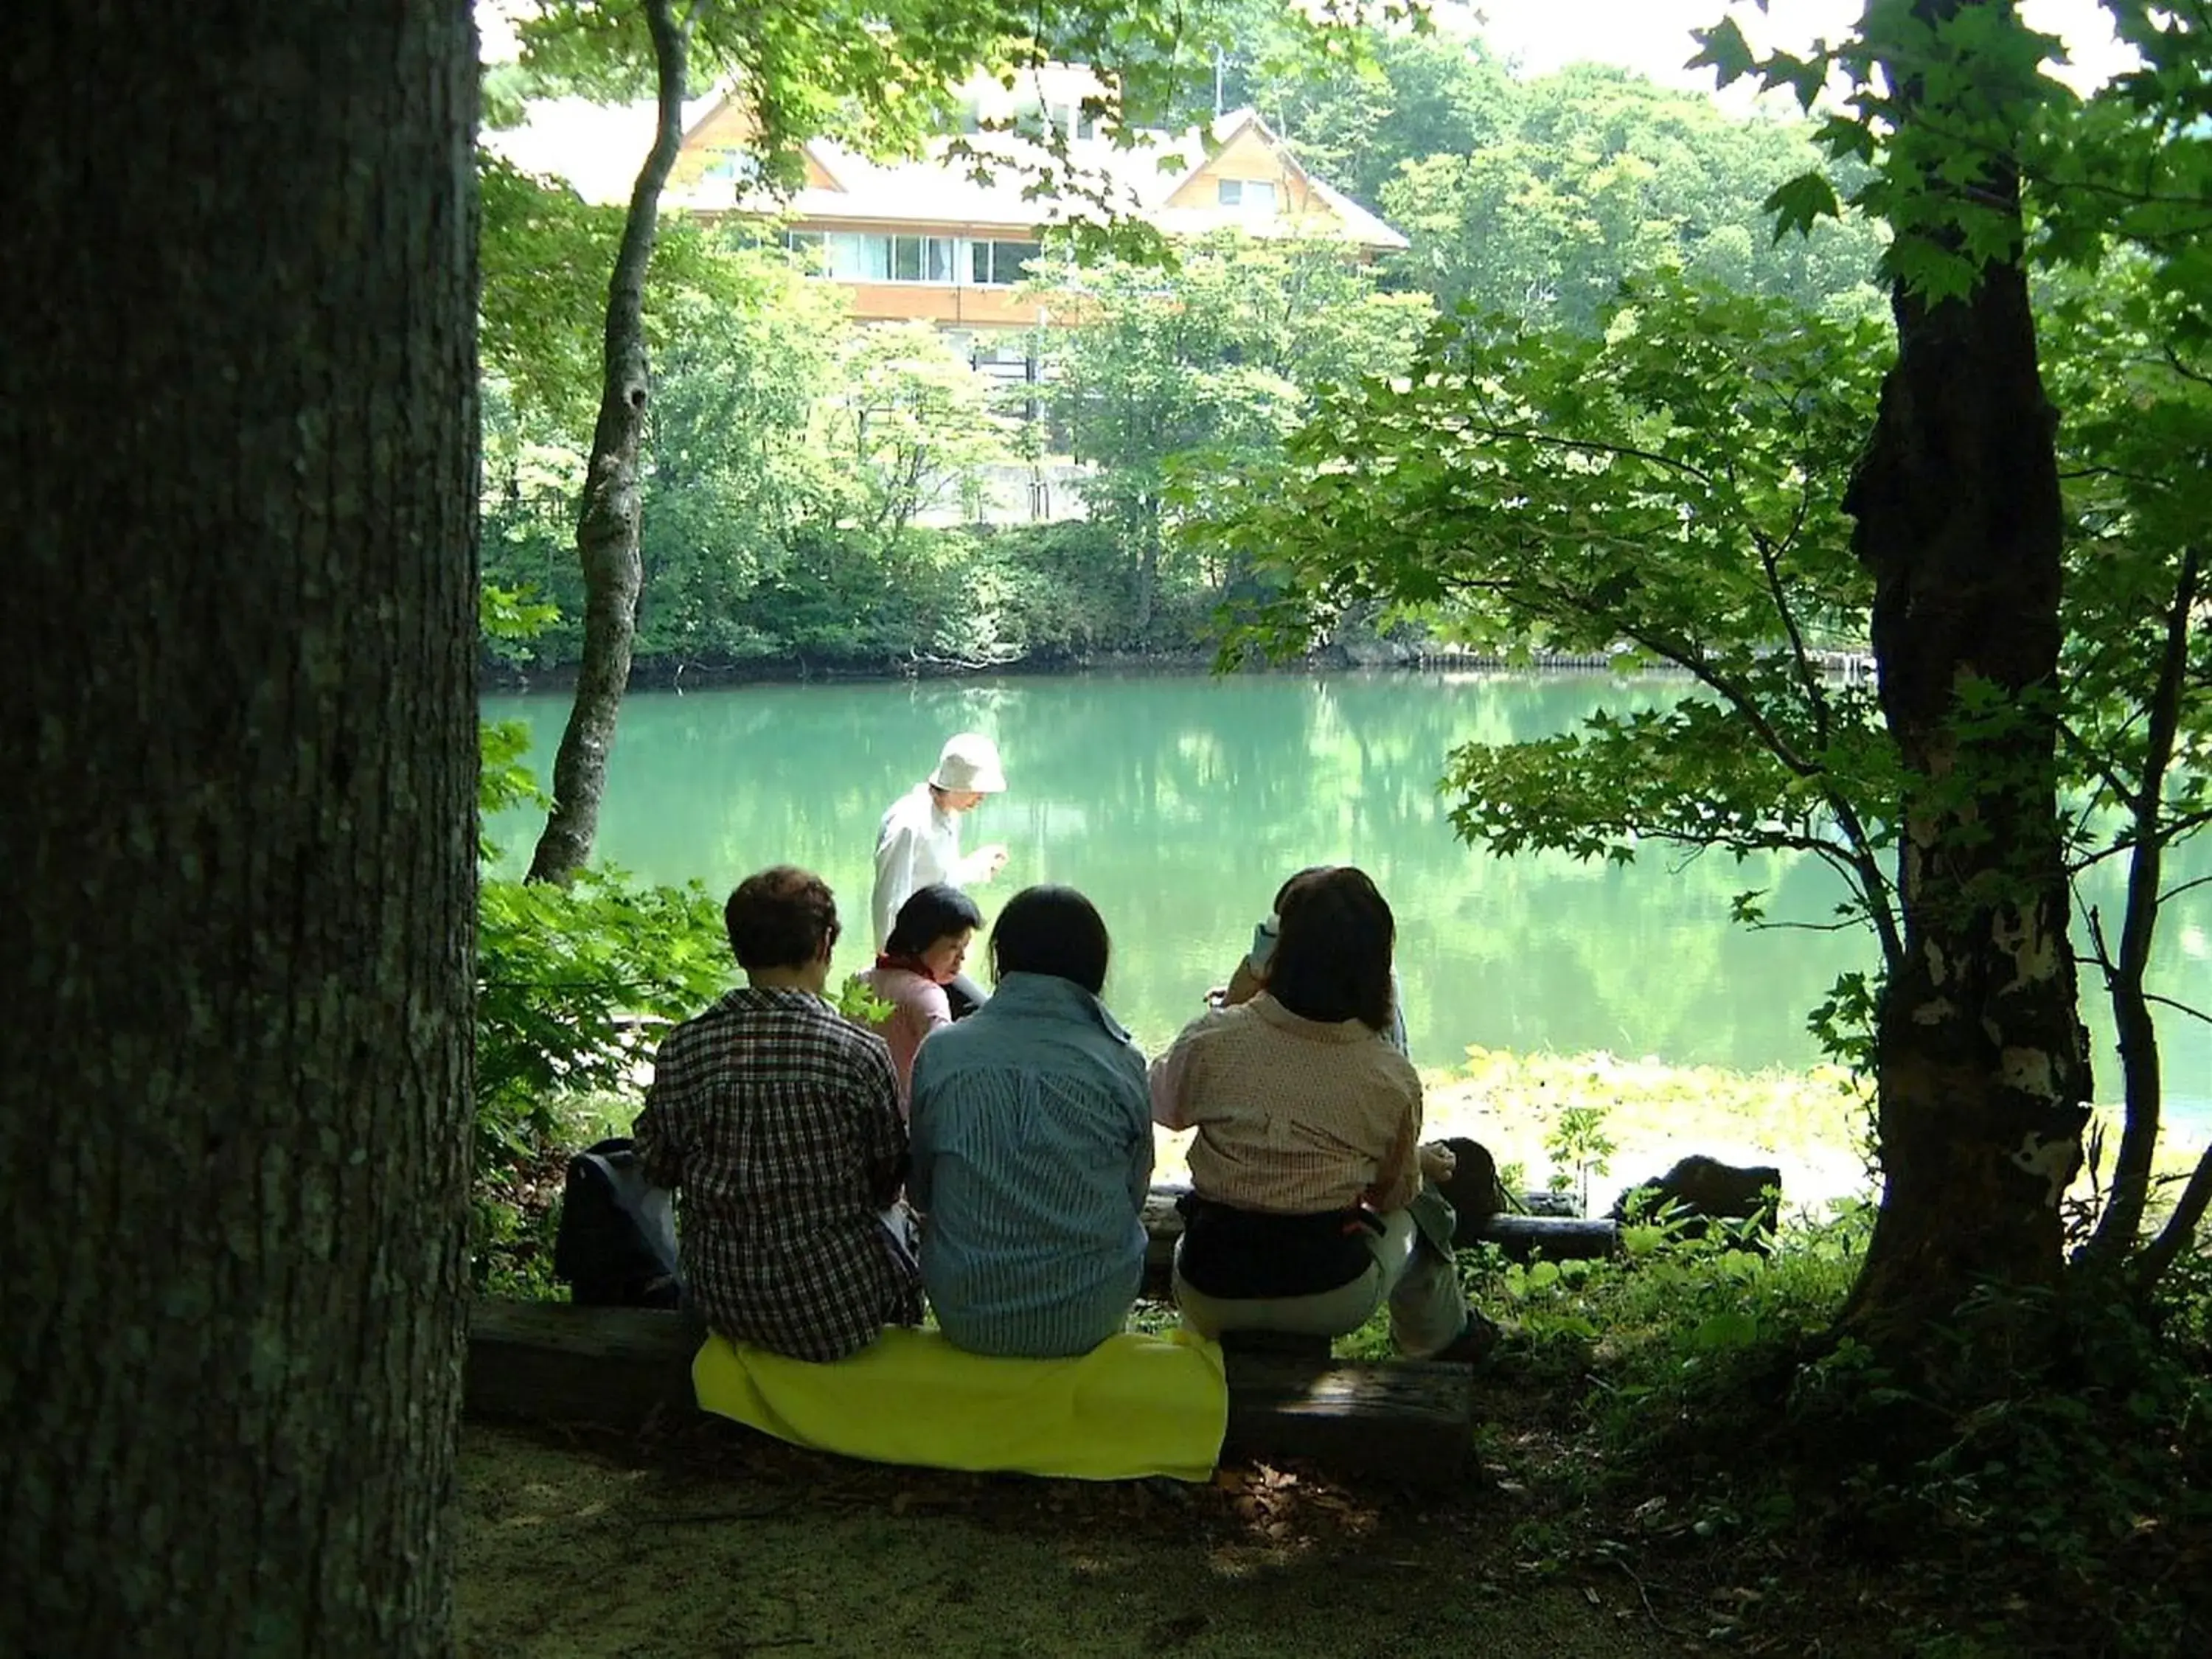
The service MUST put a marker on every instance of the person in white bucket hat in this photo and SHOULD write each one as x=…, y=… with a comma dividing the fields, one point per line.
x=919, y=842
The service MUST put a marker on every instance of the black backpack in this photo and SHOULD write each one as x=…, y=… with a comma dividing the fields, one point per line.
x=616, y=1242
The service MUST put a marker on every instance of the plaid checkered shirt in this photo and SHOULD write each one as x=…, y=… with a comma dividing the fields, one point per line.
x=778, y=1123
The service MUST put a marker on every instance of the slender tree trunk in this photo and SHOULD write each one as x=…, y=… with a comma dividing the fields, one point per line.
x=2142, y=1076
x=2180, y=1229
x=1981, y=1062
x=608, y=517
x=1148, y=567
x=239, y=429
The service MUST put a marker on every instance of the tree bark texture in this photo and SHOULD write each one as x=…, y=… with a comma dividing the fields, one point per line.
x=238, y=450
x=1981, y=1062
x=608, y=518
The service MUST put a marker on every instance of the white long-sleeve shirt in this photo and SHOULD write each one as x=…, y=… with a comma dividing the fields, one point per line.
x=918, y=844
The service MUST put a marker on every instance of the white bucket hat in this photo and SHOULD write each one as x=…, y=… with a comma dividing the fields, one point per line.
x=969, y=760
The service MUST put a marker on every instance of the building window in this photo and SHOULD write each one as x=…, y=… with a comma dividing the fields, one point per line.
x=999, y=264
x=736, y=166
x=851, y=257
x=1253, y=196
x=920, y=258
x=854, y=257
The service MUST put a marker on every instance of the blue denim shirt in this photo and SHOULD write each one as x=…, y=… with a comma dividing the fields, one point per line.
x=1033, y=1135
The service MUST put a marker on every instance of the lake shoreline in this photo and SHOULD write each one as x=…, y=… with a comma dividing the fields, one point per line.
x=649, y=677
x=1814, y=1124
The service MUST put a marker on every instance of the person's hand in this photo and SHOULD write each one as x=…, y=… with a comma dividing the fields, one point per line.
x=994, y=859
x=1437, y=1161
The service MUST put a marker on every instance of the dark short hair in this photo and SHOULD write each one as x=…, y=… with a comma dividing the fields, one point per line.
x=781, y=917
x=1051, y=930
x=1332, y=958
x=932, y=913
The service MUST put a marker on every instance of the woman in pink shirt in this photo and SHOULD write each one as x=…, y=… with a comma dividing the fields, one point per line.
x=927, y=944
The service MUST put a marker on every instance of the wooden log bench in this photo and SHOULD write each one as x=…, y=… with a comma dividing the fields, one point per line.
x=556, y=1362
x=1549, y=1237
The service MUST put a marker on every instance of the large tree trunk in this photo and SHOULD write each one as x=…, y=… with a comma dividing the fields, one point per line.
x=237, y=420
x=607, y=521
x=1982, y=1065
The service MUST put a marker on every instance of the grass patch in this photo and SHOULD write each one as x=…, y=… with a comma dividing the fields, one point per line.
x=1525, y=1107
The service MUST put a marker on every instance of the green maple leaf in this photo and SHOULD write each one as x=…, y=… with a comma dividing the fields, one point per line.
x=1724, y=51
x=1797, y=203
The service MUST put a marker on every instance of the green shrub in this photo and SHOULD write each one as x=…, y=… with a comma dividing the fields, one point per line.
x=2075, y=1478
x=1067, y=590
x=2069, y=1483
x=573, y=983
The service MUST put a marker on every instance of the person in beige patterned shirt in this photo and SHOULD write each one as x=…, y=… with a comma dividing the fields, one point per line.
x=1309, y=1209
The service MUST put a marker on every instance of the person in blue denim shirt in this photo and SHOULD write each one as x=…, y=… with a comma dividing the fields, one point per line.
x=1033, y=1135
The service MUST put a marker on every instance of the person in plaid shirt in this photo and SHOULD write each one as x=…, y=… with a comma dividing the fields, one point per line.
x=779, y=1124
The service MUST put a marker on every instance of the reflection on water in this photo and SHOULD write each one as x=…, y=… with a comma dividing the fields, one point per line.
x=1179, y=803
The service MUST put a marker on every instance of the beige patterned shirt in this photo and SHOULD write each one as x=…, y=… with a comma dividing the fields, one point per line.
x=1294, y=1116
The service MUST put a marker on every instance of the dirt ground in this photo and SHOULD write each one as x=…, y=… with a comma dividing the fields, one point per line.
x=718, y=1542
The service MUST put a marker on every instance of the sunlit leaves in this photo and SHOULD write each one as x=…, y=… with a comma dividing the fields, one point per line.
x=545, y=257
x=1594, y=177
x=880, y=75
x=1176, y=386
x=1955, y=112
x=909, y=423
x=2139, y=493
x=504, y=779
x=563, y=973
x=1665, y=490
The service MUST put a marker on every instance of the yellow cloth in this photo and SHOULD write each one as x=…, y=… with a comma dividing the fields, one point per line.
x=1133, y=1405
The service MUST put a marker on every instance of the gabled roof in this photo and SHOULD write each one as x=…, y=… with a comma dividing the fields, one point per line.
x=598, y=148
x=1354, y=223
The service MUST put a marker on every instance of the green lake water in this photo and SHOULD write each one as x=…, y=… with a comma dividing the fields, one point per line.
x=1179, y=803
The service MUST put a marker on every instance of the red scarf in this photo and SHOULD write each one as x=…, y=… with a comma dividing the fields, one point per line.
x=912, y=964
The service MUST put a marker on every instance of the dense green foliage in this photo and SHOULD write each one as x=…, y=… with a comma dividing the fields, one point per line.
x=801, y=470
x=1197, y=380
x=812, y=491
x=572, y=983
x=1595, y=177
x=1673, y=487
x=2057, y=1505
x=1539, y=196
x=1664, y=490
